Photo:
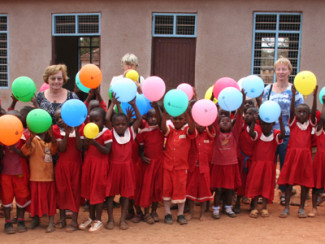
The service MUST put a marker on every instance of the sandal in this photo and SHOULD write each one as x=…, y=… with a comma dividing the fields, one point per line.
x=124, y=225
x=155, y=216
x=148, y=219
x=60, y=224
x=50, y=229
x=71, y=228
x=265, y=213
x=253, y=213
x=282, y=200
x=312, y=213
x=302, y=213
x=285, y=213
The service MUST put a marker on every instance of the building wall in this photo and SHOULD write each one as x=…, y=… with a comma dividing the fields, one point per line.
x=224, y=35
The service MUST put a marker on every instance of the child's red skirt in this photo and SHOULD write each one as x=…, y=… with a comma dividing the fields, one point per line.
x=225, y=176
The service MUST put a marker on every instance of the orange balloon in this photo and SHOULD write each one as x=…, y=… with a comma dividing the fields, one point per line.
x=11, y=129
x=90, y=76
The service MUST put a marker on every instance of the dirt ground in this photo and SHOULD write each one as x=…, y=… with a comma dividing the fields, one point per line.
x=241, y=229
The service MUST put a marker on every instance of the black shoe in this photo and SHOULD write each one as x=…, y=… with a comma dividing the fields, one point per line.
x=21, y=227
x=181, y=220
x=116, y=204
x=168, y=219
x=9, y=228
x=34, y=223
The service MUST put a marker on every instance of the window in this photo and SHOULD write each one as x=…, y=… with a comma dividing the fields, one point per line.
x=88, y=50
x=275, y=35
x=76, y=24
x=174, y=25
x=4, y=77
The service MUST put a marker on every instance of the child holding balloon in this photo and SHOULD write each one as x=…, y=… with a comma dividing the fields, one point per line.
x=95, y=170
x=67, y=171
x=298, y=167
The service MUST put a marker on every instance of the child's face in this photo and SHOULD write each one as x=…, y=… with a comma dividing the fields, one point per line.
x=249, y=116
x=151, y=118
x=120, y=125
x=179, y=121
x=302, y=114
x=266, y=127
x=97, y=118
x=225, y=124
x=248, y=104
x=58, y=118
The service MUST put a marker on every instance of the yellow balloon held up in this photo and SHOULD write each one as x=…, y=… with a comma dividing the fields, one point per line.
x=208, y=94
x=305, y=82
x=132, y=74
x=91, y=130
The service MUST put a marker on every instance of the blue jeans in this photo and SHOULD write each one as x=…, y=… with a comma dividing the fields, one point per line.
x=281, y=151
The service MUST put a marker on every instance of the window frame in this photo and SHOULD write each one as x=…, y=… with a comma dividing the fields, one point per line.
x=7, y=57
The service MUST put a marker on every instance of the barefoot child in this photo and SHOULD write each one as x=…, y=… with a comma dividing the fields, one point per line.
x=95, y=170
x=298, y=164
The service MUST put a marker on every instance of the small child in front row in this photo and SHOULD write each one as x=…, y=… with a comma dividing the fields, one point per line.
x=198, y=187
x=179, y=136
x=121, y=176
x=298, y=164
x=261, y=175
x=42, y=185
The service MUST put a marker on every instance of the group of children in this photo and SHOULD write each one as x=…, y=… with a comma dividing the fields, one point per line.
x=157, y=158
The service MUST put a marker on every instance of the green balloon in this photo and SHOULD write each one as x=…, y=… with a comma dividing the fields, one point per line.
x=110, y=93
x=175, y=102
x=38, y=121
x=23, y=88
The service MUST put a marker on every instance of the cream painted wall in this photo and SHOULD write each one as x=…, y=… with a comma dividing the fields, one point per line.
x=224, y=39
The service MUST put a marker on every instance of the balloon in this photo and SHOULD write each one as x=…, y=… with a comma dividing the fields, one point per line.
x=253, y=86
x=208, y=94
x=80, y=85
x=204, y=112
x=91, y=130
x=23, y=88
x=175, y=102
x=125, y=90
x=110, y=93
x=11, y=129
x=142, y=103
x=74, y=112
x=305, y=82
x=269, y=111
x=187, y=88
x=44, y=87
x=230, y=99
x=321, y=94
x=132, y=74
x=90, y=76
x=38, y=121
x=153, y=88
x=240, y=84
x=223, y=83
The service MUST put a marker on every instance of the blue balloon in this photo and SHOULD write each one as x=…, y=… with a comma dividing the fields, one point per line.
x=230, y=99
x=80, y=85
x=269, y=111
x=321, y=94
x=74, y=112
x=253, y=86
x=142, y=103
x=175, y=102
x=125, y=89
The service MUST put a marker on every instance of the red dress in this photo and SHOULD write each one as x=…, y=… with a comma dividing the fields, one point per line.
x=95, y=170
x=152, y=174
x=121, y=176
x=261, y=175
x=319, y=160
x=298, y=164
x=68, y=173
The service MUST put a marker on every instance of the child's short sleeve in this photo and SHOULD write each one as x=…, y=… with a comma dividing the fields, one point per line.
x=191, y=136
x=107, y=136
x=140, y=139
x=277, y=133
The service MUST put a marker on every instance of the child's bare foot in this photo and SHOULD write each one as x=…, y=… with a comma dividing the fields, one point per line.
x=312, y=213
x=50, y=228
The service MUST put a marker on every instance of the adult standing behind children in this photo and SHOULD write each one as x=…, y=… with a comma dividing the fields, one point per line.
x=280, y=92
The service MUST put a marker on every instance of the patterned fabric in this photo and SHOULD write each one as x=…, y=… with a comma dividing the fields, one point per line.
x=284, y=100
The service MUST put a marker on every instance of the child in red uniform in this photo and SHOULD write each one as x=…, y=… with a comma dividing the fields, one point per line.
x=95, y=170
x=15, y=182
x=42, y=185
x=121, y=177
x=225, y=175
x=298, y=164
x=176, y=163
x=198, y=187
x=151, y=152
x=261, y=175
x=67, y=171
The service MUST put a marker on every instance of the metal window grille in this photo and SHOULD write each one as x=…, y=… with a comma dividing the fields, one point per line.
x=174, y=25
x=275, y=35
x=4, y=78
x=76, y=24
x=88, y=50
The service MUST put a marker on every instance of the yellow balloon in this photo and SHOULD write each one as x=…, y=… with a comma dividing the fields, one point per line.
x=208, y=94
x=305, y=82
x=91, y=130
x=132, y=74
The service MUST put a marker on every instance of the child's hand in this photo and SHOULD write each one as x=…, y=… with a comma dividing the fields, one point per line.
x=154, y=104
x=129, y=113
x=146, y=159
x=67, y=130
x=244, y=94
x=114, y=98
x=315, y=91
x=293, y=89
x=14, y=99
x=90, y=141
x=132, y=102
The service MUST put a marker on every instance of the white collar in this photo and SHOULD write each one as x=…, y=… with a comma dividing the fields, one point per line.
x=122, y=139
x=303, y=126
x=267, y=138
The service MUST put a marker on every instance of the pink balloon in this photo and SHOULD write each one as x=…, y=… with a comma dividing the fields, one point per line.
x=187, y=88
x=44, y=87
x=223, y=83
x=204, y=112
x=153, y=88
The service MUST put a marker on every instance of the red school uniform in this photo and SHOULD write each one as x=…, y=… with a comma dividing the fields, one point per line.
x=225, y=172
x=261, y=175
x=175, y=163
x=319, y=160
x=198, y=188
x=151, y=182
x=298, y=164
x=121, y=176
x=95, y=170
x=68, y=172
